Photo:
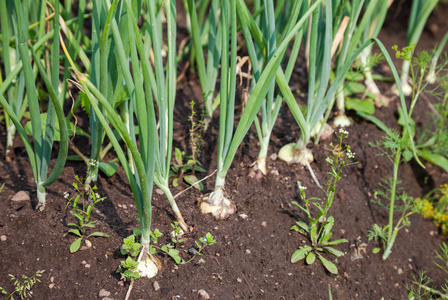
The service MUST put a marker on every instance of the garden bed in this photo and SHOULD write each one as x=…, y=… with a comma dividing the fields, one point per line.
x=251, y=259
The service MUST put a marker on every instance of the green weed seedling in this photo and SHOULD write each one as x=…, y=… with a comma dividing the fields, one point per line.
x=319, y=228
x=420, y=288
x=170, y=248
x=23, y=288
x=131, y=248
x=82, y=206
x=184, y=167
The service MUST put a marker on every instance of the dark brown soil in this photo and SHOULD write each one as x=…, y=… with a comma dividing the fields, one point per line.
x=251, y=259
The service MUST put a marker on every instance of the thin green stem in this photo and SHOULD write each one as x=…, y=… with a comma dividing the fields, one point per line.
x=392, y=231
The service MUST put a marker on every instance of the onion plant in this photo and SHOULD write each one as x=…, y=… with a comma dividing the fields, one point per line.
x=218, y=203
x=420, y=11
x=374, y=20
x=104, y=75
x=14, y=84
x=319, y=59
x=73, y=31
x=431, y=77
x=207, y=71
x=146, y=88
x=272, y=34
x=164, y=93
x=43, y=125
x=110, y=74
x=351, y=37
x=319, y=94
x=104, y=72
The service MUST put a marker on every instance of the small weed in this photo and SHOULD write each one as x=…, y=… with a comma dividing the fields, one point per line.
x=131, y=248
x=184, y=167
x=196, y=131
x=319, y=228
x=82, y=206
x=23, y=288
x=420, y=289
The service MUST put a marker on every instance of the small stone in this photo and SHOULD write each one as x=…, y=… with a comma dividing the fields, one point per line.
x=239, y=280
x=434, y=28
x=264, y=224
x=103, y=293
x=21, y=196
x=244, y=216
x=120, y=283
x=431, y=233
x=203, y=295
x=51, y=285
x=21, y=200
x=83, y=262
x=87, y=265
x=87, y=246
x=275, y=172
x=159, y=191
x=248, y=251
x=156, y=286
x=107, y=298
x=3, y=238
x=124, y=206
x=400, y=271
x=273, y=156
x=52, y=279
x=192, y=251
